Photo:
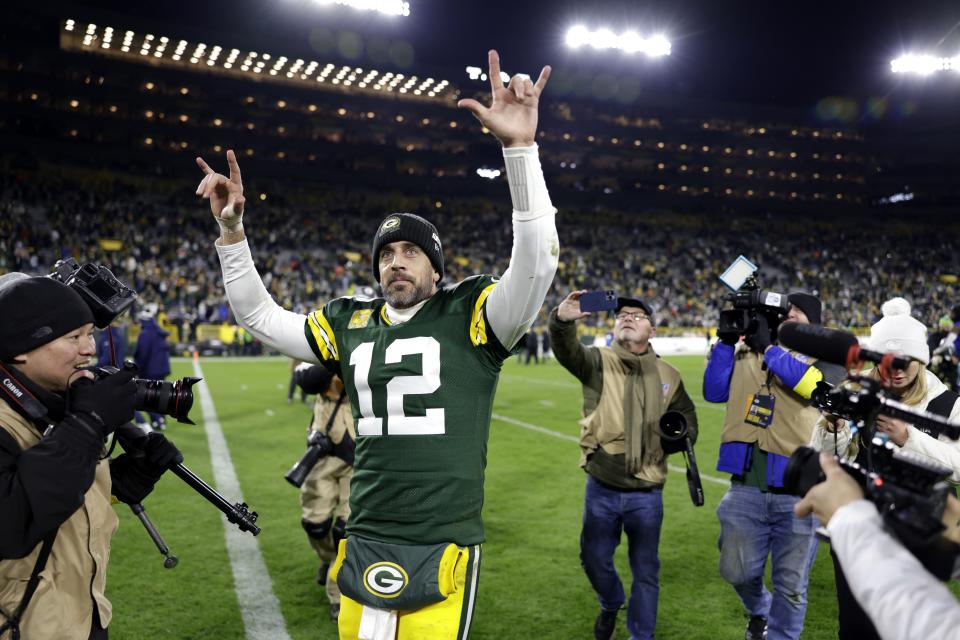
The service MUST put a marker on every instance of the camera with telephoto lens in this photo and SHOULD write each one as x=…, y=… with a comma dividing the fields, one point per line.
x=106, y=296
x=675, y=438
x=318, y=446
x=909, y=491
x=172, y=398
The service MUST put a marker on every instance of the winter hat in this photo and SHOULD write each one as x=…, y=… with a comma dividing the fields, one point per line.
x=900, y=333
x=35, y=311
x=809, y=304
x=412, y=228
x=946, y=323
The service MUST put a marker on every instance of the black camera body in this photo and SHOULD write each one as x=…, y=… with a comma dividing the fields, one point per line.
x=910, y=492
x=318, y=446
x=748, y=302
x=106, y=296
x=172, y=398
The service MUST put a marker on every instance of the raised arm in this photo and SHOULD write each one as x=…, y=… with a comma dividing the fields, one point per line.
x=254, y=308
x=512, y=117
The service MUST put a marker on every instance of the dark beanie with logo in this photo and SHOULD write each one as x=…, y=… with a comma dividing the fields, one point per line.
x=35, y=311
x=808, y=303
x=398, y=227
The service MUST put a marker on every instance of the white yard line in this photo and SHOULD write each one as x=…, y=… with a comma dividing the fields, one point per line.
x=564, y=436
x=259, y=606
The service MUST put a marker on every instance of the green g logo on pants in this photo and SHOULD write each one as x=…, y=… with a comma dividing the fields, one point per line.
x=385, y=579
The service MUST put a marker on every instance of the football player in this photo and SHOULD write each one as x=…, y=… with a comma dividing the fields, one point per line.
x=420, y=365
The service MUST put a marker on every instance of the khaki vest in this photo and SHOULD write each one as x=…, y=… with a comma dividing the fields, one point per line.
x=342, y=423
x=603, y=427
x=74, y=580
x=793, y=417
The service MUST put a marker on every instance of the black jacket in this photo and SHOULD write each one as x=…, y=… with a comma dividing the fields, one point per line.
x=40, y=488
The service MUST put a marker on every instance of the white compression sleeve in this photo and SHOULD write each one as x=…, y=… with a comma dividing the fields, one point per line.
x=514, y=303
x=256, y=310
x=901, y=598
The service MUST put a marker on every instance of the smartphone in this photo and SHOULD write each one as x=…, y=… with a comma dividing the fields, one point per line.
x=737, y=273
x=598, y=301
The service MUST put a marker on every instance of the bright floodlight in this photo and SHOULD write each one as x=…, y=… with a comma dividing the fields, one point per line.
x=389, y=7
x=924, y=65
x=628, y=41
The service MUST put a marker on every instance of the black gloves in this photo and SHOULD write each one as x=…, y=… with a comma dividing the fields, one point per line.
x=109, y=401
x=762, y=336
x=159, y=454
x=728, y=337
x=147, y=457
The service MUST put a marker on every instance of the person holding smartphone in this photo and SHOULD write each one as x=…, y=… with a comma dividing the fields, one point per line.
x=626, y=390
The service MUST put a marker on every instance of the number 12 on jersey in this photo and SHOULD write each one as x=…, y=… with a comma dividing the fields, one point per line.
x=398, y=424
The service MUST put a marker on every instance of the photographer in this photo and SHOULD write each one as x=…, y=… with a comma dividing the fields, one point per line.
x=901, y=598
x=898, y=333
x=767, y=390
x=56, y=479
x=325, y=493
x=626, y=390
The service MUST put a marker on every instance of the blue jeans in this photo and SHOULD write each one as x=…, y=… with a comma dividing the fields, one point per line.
x=607, y=513
x=753, y=525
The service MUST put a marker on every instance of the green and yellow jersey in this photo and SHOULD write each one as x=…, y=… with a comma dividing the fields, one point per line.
x=421, y=394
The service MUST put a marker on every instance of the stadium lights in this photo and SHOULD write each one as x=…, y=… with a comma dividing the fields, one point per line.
x=628, y=41
x=217, y=58
x=489, y=174
x=476, y=73
x=388, y=7
x=924, y=65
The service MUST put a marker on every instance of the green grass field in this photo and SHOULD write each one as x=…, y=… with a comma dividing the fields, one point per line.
x=531, y=584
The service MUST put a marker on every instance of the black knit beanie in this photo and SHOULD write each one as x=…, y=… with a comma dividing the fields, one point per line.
x=35, y=311
x=412, y=228
x=809, y=304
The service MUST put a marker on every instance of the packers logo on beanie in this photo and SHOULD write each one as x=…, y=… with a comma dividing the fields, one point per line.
x=36, y=311
x=398, y=227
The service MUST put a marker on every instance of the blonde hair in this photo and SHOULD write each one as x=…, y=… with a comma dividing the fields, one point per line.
x=916, y=392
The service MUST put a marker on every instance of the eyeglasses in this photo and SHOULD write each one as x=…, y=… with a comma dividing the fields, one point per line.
x=638, y=316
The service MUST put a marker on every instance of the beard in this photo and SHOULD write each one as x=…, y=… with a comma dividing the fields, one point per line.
x=407, y=296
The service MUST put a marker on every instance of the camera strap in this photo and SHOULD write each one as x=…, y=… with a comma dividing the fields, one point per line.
x=693, y=475
x=13, y=620
x=20, y=397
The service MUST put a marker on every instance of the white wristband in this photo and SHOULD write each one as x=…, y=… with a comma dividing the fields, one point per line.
x=228, y=219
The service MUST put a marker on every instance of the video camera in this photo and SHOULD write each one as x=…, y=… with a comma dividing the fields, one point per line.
x=910, y=493
x=749, y=300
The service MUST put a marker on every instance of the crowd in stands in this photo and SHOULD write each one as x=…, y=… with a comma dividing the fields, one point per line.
x=313, y=242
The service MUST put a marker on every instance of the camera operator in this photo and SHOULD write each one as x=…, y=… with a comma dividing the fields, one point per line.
x=325, y=493
x=56, y=479
x=901, y=598
x=626, y=390
x=898, y=333
x=767, y=390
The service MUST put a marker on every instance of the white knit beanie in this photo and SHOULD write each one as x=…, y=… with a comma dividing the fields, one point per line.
x=900, y=333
